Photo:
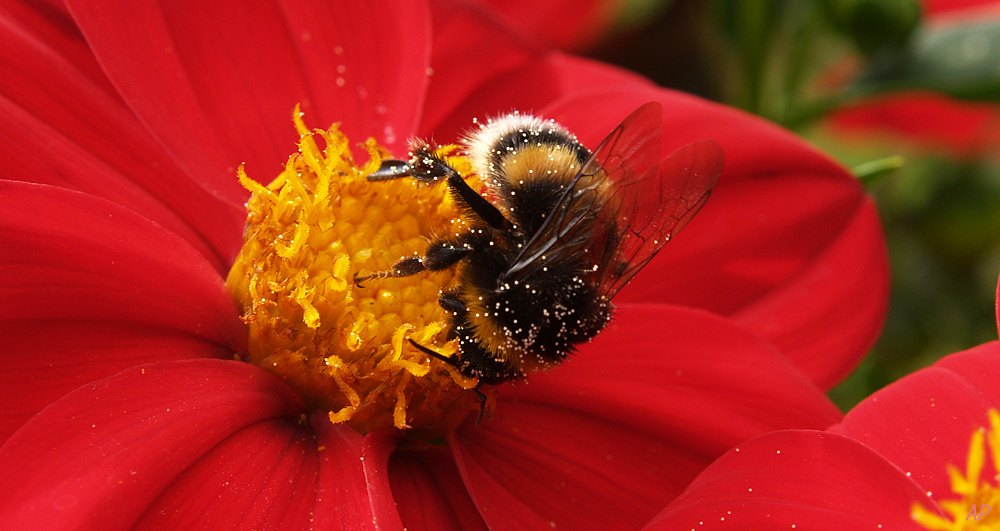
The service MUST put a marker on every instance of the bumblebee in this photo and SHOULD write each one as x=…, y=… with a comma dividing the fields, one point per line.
x=563, y=230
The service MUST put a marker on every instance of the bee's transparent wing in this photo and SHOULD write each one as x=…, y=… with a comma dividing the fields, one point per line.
x=646, y=211
x=624, y=205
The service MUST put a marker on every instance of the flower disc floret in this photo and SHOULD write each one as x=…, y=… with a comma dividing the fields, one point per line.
x=342, y=347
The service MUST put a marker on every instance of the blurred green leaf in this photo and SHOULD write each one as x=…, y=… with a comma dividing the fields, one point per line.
x=874, y=25
x=746, y=21
x=749, y=27
x=634, y=14
x=960, y=60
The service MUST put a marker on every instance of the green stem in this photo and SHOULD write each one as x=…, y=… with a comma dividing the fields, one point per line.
x=754, y=40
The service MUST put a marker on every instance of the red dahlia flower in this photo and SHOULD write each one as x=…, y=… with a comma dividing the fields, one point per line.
x=917, y=455
x=122, y=401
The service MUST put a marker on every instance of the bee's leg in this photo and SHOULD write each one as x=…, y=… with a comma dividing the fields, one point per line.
x=482, y=405
x=450, y=361
x=404, y=267
x=391, y=169
x=423, y=166
x=454, y=363
x=427, y=167
x=478, y=204
x=440, y=254
x=451, y=303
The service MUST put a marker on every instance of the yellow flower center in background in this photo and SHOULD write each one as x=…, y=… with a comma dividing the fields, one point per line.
x=971, y=488
x=341, y=347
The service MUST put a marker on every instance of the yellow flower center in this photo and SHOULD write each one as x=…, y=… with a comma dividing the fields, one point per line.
x=342, y=347
x=978, y=503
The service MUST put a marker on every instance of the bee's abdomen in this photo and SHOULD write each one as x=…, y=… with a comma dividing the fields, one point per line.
x=535, y=324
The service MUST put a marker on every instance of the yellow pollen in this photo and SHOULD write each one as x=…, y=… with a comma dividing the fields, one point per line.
x=343, y=348
x=971, y=488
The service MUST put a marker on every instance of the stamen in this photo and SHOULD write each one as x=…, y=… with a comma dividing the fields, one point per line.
x=310, y=233
x=978, y=498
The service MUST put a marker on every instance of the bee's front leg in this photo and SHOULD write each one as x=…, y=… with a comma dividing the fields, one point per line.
x=440, y=254
x=450, y=301
x=402, y=268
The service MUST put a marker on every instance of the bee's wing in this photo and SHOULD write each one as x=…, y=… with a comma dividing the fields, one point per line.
x=625, y=204
x=648, y=208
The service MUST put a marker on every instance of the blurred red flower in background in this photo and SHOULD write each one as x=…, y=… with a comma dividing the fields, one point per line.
x=121, y=214
x=929, y=119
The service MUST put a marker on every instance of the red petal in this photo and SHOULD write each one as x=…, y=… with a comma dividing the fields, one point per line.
x=523, y=78
x=429, y=492
x=925, y=420
x=98, y=457
x=261, y=477
x=463, y=36
x=48, y=359
x=659, y=394
x=827, y=317
x=979, y=367
x=88, y=288
x=77, y=133
x=69, y=256
x=564, y=24
x=292, y=479
x=796, y=480
x=354, y=490
x=786, y=242
x=217, y=83
x=578, y=75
